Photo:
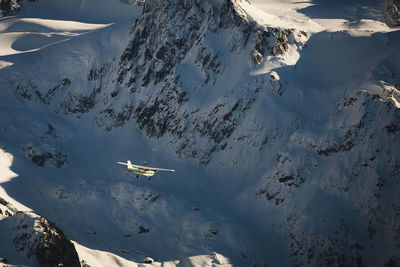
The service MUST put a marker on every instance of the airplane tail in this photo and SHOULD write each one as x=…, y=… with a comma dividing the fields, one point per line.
x=129, y=164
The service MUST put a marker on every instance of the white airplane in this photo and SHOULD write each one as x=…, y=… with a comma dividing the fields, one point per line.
x=142, y=170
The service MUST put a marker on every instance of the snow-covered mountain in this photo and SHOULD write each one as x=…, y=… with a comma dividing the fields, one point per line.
x=26, y=235
x=281, y=118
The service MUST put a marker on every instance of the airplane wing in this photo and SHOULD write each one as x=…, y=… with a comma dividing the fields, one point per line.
x=132, y=165
x=159, y=169
x=145, y=167
x=151, y=168
x=141, y=167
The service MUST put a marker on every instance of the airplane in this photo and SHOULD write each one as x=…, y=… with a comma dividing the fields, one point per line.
x=142, y=170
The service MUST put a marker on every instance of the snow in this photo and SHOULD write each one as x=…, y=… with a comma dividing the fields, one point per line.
x=280, y=14
x=212, y=261
x=93, y=257
x=358, y=18
x=5, y=163
x=6, y=175
x=116, y=219
x=21, y=35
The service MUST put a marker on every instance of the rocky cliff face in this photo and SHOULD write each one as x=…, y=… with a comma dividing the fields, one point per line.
x=8, y=7
x=177, y=53
x=393, y=13
x=35, y=238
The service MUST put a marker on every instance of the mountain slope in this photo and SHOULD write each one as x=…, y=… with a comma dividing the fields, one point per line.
x=283, y=130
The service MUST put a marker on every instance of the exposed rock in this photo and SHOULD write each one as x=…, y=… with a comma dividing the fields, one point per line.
x=274, y=77
x=61, y=85
x=392, y=13
x=335, y=148
x=212, y=126
x=24, y=92
x=9, y=7
x=257, y=58
x=42, y=154
x=148, y=260
x=109, y=119
x=99, y=72
x=37, y=238
x=142, y=229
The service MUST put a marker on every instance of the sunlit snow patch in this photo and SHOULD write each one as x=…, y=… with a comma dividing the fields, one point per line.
x=6, y=175
x=5, y=64
x=32, y=34
x=213, y=260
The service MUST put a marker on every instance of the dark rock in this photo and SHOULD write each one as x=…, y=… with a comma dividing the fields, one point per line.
x=55, y=249
x=220, y=128
x=24, y=92
x=148, y=260
x=213, y=231
x=78, y=104
x=61, y=85
x=109, y=118
x=332, y=149
x=53, y=157
x=392, y=18
x=99, y=72
x=39, y=238
x=142, y=229
x=9, y=7
x=391, y=128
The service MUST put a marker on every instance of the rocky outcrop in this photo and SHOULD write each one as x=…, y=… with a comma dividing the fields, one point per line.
x=9, y=7
x=109, y=118
x=44, y=154
x=392, y=18
x=39, y=240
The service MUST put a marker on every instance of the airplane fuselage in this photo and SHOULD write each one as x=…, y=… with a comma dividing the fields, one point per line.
x=147, y=173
